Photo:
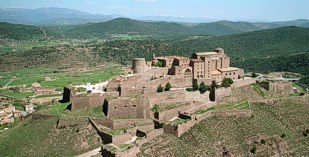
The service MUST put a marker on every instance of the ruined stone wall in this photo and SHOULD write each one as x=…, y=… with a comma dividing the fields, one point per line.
x=125, y=123
x=70, y=122
x=125, y=92
x=107, y=138
x=283, y=87
x=169, y=114
x=150, y=135
x=178, y=96
x=169, y=96
x=118, y=139
x=197, y=96
x=175, y=82
x=86, y=101
x=243, y=82
x=104, y=122
x=158, y=72
x=127, y=108
x=223, y=92
x=178, y=130
x=120, y=123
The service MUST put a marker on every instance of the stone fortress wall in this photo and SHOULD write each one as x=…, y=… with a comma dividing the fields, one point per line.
x=283, y=87
x=127, y=107
x=128, y=98
x=86, y=101
x=243, y=82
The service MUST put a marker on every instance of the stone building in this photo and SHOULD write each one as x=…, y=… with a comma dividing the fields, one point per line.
x=203, y=66
x=28, y=108
x=6, y=114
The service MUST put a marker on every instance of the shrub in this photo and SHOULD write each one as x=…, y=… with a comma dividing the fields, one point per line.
x=195, y=86
x=226, y=82
x=254, y=75
x=168, y=86
x=155, y=108
x=253, y=149
x=160, y=88
x=203, y=88
x=263, y=141
x=283, y=135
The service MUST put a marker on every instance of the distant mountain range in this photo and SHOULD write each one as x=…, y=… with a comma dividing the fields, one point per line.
x=50, y=16
x=134, y=27
x=64, y=16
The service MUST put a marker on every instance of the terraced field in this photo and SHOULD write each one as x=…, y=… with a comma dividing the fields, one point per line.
x=281, y=125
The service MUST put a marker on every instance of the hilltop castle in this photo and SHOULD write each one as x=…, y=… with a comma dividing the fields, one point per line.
x=202, y=67
x=136, y=112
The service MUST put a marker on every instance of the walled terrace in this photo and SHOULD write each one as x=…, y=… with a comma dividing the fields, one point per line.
x=135, y=111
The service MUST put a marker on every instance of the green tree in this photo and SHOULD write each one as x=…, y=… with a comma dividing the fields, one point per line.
x=168, y=86
x=253, y=149
x=254, y=75
x=155, y=108
x=159, y=64
x=226, y=82
x=195, y=86
x=160, y=88
x=214, y=85
x=203, y=88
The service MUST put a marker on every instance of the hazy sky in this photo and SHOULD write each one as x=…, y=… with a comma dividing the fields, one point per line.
x=269, y=10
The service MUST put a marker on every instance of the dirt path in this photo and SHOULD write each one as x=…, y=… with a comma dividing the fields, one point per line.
x=7, y=84
x=90, y=153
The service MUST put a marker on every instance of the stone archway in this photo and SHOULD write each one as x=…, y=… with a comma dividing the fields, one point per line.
x=187, y=73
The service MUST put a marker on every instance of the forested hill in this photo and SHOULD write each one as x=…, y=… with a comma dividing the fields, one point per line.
x=23, y=32
x=257, y=44
x=125, y=26
x=128, y=26
x=228, y=27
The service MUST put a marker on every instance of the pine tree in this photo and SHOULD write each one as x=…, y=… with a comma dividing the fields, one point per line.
x=203, y=88
x=195, y=86
x=160, y=88
x=168, y=86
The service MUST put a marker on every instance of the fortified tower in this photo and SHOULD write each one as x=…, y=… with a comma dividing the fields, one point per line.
x=139, y=65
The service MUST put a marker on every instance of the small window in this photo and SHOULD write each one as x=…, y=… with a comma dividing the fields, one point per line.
x=125, y=106
x=115, y=107
x=134, y=105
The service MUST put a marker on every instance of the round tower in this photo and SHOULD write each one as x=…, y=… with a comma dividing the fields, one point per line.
x=139, y=65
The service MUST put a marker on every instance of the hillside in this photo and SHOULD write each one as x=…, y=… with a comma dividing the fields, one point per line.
x=128, y=26
x=280, y=125
x=228, y=27
x=279, y=49
x=41, y=138
x=21, y=32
